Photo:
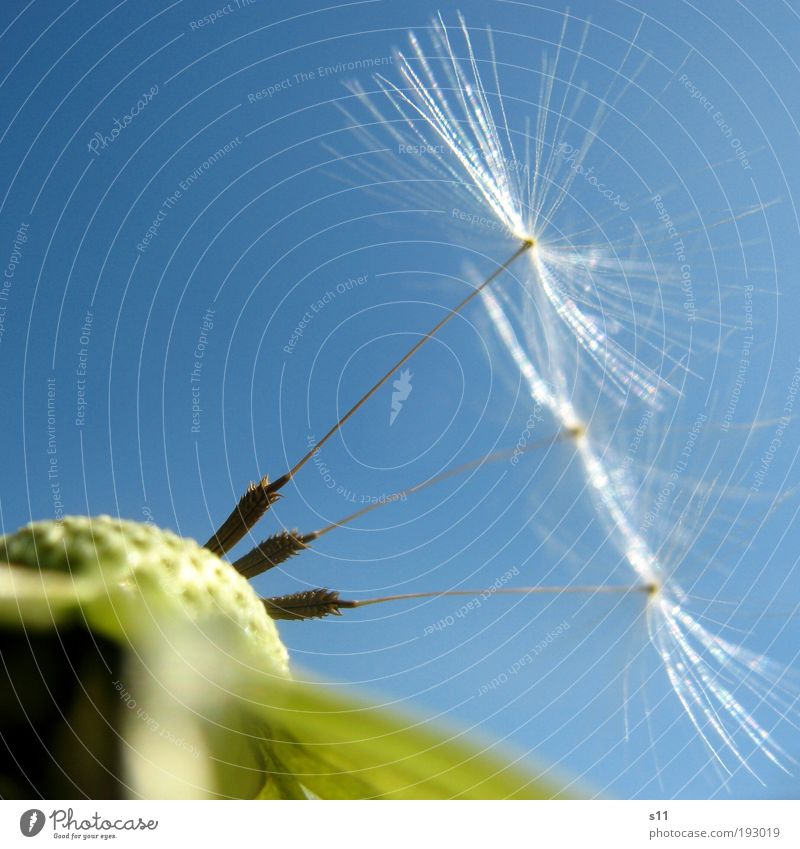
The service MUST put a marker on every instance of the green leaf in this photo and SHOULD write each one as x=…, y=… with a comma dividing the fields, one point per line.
x=341, y=747
x=172, y=683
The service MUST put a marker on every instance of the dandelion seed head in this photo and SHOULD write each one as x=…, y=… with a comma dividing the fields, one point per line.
x=461, y=120
x=583, y=289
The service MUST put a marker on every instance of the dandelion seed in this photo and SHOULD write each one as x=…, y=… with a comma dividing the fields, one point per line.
x=479, y=156
x=697, y=675
x=580, y=294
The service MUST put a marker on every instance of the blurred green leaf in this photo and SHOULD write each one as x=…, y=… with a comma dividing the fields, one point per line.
x=343, y=747
x=138, y=664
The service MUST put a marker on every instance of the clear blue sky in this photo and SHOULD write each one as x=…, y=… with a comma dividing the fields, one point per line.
x=222, y=215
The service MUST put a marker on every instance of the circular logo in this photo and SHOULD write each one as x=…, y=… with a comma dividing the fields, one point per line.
x=31, y=822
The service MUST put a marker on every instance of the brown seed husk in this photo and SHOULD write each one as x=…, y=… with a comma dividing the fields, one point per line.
x=308, y=604
x=251, y=507
x=270, y=553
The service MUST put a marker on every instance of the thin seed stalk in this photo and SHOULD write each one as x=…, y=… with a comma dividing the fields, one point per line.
x=526, y=245
x=283, y=545
x=259, y=497
x=321, y=602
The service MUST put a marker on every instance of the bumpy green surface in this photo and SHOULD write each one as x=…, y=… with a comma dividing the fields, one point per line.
x=138, y=664
x=104, y=559
x=127, y=649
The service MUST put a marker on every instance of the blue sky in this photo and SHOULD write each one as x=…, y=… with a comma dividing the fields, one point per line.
x=176, y=186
